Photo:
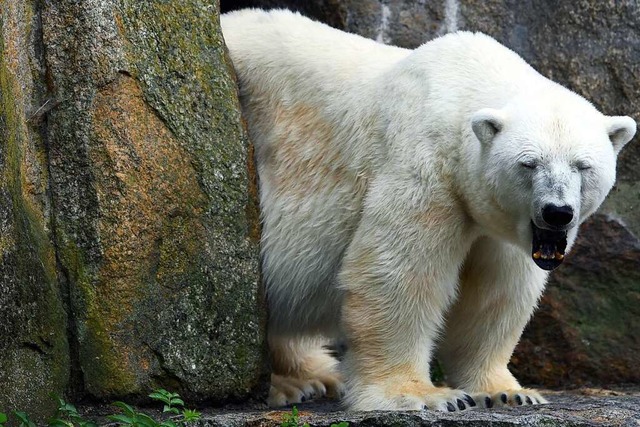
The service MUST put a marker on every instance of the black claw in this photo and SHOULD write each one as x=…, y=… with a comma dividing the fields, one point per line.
x=425, y=408
x=518, y=399
x=303, y=399
x=461, y=405
x=529, y=401
x=469, y=400
x=450, y=407
x=488, y=402
x=503, y=397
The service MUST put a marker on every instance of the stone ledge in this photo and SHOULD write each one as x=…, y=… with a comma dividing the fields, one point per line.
x=582, y=408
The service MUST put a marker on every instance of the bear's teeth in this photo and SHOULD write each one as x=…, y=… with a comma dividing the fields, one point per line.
x=537, y=255
x=559, y=256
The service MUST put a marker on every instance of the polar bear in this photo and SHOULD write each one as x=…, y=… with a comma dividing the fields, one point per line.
x=413, y=202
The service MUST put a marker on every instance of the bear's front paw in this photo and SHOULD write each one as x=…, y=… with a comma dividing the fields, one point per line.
x=448, y=400
x=409, y=398
x=519, y=397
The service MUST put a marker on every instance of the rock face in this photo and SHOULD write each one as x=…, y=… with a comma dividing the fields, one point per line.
x=586, y=328
x=34, y=352
x=129, y=200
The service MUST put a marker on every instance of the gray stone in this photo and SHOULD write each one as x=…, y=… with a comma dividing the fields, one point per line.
x=583, y=408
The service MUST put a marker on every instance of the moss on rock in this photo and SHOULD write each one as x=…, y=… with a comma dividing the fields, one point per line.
x=155, y=222
x=34, y=358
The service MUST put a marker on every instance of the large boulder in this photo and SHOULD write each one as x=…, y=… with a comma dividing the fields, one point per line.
x=34, y=352
x=129, y=200
x=156, y=223
x=586, y=328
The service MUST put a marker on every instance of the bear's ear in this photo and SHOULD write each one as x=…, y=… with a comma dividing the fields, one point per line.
x=486, y=123
x=620, y=129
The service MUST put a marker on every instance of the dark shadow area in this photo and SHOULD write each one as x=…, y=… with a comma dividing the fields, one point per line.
x=327, y=11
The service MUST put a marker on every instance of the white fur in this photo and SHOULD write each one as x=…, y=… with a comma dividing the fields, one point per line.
x=396, y=203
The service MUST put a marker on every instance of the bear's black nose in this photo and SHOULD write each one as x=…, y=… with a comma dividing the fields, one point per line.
x=557, y=215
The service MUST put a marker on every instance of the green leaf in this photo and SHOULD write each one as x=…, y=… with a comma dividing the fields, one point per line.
x=177, y=401
x=128, y=410
x=168, y=408
x=161, y=397
x=69, y=408
x=168, y=423
x=82, y=423
x=24, y=419
x=3, y=418
x=190, y=415
x=122, y=419
x=146, y=421
x=57, y=422
x=341, y=424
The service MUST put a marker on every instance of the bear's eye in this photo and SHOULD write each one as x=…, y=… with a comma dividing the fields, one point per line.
x=529, y=164
x=583, y=166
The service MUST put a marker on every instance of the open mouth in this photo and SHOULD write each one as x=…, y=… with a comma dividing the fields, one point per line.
x=547, y=247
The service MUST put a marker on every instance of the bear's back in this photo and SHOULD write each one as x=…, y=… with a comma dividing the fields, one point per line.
x=284, y=45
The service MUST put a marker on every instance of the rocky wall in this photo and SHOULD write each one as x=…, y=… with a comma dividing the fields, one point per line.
x=129, y=217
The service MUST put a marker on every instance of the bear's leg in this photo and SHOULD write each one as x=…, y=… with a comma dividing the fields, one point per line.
x=499, y=290
x=399, y=276
x=302, y=370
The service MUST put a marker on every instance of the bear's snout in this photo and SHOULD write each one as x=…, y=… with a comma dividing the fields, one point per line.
x=557, y=216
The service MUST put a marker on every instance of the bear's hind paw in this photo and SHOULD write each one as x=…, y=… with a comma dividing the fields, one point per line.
x=286, y=390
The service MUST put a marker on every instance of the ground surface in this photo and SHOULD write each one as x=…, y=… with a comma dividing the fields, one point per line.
x=587, y=407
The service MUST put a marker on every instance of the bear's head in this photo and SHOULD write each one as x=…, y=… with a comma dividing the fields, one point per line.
x=548, y=160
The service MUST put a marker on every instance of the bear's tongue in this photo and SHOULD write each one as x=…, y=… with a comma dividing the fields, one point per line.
x=548, y=247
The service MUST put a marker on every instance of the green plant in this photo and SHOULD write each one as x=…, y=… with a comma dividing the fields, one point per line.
x=171, y=400
x=341, y=424
x=67, y=416
x=291, y=420
x=130, y=417
x=190, y=415
x=24, y=419
x=173, y=404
